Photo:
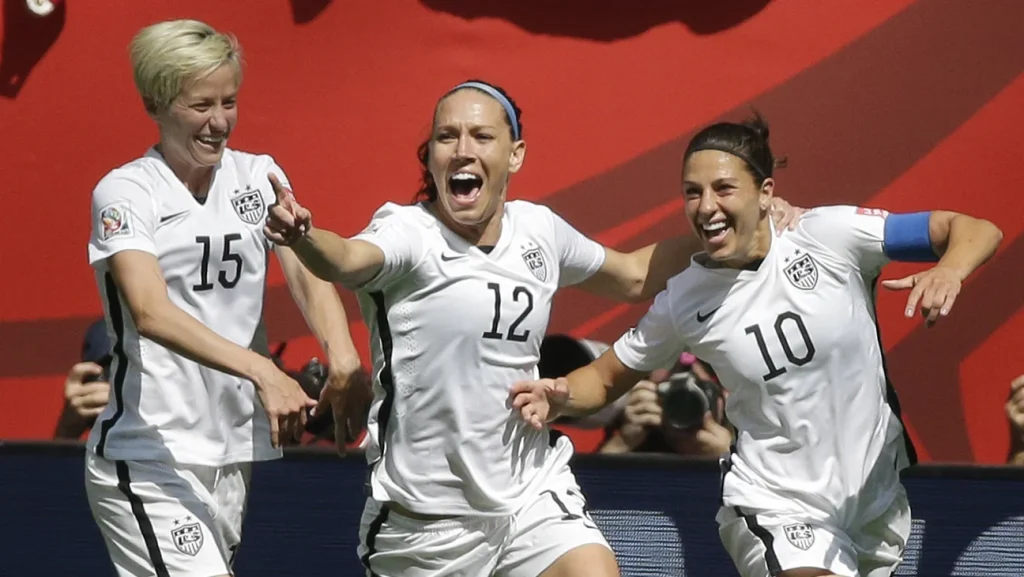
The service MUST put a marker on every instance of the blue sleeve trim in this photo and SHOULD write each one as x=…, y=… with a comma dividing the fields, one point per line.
x=906, y=238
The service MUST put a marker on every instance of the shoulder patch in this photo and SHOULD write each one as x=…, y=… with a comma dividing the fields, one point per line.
x=116, y=221
x=872, y=212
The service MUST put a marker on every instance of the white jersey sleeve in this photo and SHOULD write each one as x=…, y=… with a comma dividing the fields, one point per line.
x=579, y=256
x=654, y=343
x=856, y=235
x=401, y=241
x=123, y=218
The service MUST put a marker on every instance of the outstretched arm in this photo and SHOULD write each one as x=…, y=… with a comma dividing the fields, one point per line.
x=327, y=255
x=639, y=275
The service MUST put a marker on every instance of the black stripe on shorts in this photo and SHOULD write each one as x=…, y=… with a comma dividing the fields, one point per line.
x=371, y=537
x=770, y=559
x=124, y=483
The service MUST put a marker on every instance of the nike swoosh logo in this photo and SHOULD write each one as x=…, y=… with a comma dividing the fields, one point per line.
x=450, y=257
x=164, y=219
x=701, y=318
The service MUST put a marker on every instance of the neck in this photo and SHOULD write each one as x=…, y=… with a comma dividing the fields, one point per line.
x=195, y=178
x=757, y=249
x=483, y=234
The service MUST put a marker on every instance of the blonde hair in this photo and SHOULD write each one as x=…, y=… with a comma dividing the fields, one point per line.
x=167, y=56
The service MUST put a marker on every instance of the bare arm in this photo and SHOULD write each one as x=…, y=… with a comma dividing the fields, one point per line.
x=963, y=242
x=639, y=275
x=335, y=259
x=323, y=311
x=327, y=255
x=138, y=278
x=595, y=385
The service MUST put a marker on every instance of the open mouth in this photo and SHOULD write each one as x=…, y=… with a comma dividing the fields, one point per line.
x=210, y=142
x=715, y=232
x=465, y=187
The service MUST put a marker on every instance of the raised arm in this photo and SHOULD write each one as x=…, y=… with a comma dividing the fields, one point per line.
x=639, y=275
x=327, y=255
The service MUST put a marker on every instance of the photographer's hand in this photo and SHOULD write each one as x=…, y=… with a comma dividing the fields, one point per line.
x=643, y=412
x=86, y=399
x=1015, y=414
x=82, y=401
x=712, y=439
x=347, y=393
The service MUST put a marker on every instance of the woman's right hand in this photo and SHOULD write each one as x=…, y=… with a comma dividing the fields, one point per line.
x=287, y=220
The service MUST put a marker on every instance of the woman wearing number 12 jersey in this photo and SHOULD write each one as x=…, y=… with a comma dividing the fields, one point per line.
x=812, y=485
x=457, y=291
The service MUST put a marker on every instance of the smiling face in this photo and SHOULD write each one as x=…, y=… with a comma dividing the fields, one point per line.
x=726, y=207
x=471, y=157
x=194, y=129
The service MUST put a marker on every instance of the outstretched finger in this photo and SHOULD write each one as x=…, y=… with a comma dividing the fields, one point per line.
x=282, y=194
x=913, y=300
x=899, y=284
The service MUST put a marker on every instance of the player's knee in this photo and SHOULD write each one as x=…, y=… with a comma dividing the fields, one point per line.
x=591, y=560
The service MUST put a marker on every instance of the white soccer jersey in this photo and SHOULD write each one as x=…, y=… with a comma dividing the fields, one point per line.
x=452, y=328
x=213, y=257
x=796, y=343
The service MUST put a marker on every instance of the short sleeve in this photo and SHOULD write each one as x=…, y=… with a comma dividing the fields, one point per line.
x=654, y=343
x=399, y=239
x=855, y=234
x=579, y=256
x=122, y=219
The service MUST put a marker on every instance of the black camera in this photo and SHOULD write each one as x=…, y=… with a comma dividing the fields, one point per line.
x=312, y=378
x=685, y=398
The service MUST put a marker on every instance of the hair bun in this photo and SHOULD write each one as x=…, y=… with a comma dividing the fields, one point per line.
x=759, y=125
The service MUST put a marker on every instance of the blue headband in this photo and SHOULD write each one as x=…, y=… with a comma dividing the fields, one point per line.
x=497, y=95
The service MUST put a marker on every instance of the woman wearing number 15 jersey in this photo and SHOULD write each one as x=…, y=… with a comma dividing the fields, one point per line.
x=457, y=291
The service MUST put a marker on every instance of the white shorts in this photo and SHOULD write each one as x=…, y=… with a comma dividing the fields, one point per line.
x=763, y=543
x=523, y=544
x=168, y=520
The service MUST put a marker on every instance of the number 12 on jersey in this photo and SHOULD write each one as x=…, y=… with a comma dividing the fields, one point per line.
x=519, y=294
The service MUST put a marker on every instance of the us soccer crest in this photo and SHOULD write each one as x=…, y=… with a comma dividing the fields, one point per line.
x=187, y=537
x=249, y=205
x=802, y=272
x=534, y=260
x=800, y=535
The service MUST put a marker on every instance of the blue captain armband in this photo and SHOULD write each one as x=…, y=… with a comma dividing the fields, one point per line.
x=907, y=238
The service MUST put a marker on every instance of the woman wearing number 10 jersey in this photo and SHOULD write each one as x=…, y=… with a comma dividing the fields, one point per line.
x=457, y=291
x=812, y=486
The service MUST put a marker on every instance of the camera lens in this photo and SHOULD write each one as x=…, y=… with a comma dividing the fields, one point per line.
x=683, y=403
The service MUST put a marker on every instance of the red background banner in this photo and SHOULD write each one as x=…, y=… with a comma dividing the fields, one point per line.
x=891, y=104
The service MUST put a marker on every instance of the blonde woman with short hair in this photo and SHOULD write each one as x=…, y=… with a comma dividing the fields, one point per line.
x=181, y=266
